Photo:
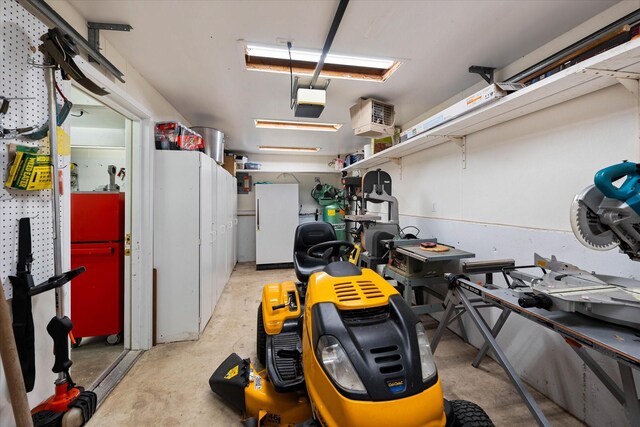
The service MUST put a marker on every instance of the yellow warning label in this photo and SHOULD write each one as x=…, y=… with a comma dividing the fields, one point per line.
x=331, y=212
x=232, y=373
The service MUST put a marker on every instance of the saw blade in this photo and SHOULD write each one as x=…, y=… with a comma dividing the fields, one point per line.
x=586, y=224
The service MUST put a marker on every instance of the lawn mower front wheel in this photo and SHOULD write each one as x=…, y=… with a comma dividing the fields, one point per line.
x=468, y=414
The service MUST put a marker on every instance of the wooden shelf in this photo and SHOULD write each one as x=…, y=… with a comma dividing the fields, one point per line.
x=603, y=70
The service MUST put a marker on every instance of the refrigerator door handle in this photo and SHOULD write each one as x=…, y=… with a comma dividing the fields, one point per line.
x=258, y=214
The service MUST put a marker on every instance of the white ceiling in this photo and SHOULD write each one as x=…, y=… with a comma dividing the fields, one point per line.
x=191, y=52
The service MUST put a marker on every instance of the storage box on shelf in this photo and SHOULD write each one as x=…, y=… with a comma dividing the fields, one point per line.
x=230, y=164
x=621, y=63
x=176, y=136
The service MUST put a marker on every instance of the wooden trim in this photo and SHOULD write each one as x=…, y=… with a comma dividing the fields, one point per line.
x=329, y=70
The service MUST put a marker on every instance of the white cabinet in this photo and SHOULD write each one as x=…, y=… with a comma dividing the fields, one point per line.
x=276, y=221
x=221, y=208
x=191, y=234
x=207, y=287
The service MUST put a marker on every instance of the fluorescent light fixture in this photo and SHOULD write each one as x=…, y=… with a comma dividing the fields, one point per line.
x=286, y=124
x=308, y=55
x=296, y=149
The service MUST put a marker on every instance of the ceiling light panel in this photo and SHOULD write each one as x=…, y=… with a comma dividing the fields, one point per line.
x=291, y=125
x=307, y=55
x=291, y=149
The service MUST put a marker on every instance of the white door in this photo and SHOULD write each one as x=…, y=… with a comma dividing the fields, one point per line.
x=234, y=218
x=206, y=241
x=176, y=250
x=222, y=228
x=276, y=221
x=231, y=193
x=214, y=232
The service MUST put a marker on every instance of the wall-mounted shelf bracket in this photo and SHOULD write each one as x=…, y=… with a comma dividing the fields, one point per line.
x=461, y=141
x=626, y=78
x=94, y=33
x=485, y=72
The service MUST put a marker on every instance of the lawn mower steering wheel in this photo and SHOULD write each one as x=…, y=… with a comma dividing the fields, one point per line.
x=330, y=250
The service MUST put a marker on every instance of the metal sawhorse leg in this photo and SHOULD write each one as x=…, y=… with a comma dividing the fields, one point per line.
x=455, y=297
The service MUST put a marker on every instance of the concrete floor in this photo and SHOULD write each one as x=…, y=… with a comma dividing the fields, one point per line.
x=168, y=386
x=91, y=359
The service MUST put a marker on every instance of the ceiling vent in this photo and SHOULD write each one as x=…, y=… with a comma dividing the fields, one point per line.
x=372, y=118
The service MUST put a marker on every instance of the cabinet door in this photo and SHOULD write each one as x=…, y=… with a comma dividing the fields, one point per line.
x=215, y=232
x=206, y=242
x=176, y=244
x=221, y=270
x=234, y=218
x=230, y=194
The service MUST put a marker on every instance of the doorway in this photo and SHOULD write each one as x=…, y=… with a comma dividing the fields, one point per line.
x=101, y=144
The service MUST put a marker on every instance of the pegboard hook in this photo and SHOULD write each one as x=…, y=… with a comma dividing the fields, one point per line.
x=30, y=217
x=34, y=64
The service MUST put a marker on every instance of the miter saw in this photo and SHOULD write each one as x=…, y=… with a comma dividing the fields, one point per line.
x=568, y=288
x=603, y=216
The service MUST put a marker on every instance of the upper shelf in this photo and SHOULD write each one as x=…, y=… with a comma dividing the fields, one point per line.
x=620, y=62
x=283, y=171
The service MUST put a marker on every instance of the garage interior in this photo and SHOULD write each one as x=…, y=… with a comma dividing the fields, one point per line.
x=320, y=213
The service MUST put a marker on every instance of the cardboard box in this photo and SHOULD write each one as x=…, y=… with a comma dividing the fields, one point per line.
x=230, y=164
x=30, y=170
x=380, y=144
x=485, y=96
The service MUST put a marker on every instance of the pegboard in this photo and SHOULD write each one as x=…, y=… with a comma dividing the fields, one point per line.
x=21, y=32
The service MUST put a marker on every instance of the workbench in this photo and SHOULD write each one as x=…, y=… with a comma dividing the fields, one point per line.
x=581, y=332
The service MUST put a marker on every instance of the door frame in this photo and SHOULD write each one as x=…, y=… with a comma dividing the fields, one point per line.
x=138, y=290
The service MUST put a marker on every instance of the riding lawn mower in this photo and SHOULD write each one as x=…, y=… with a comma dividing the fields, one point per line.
x=340, y=348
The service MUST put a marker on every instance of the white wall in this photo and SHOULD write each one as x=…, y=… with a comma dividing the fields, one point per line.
x=97, y=136
x=92, y=167
x=512, y=200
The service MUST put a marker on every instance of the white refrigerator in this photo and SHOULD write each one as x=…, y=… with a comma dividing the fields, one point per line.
x=277, y=211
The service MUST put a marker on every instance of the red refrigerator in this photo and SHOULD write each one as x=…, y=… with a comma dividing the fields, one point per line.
x=97, y=243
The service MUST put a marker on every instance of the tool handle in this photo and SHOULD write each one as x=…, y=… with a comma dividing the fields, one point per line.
x=605, y=178
x=59, y=328
x=11, y=366
x=56, y=281
x=25, y=258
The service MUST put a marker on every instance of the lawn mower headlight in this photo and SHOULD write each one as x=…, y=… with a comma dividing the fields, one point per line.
x=426, y=358
x=337, y=364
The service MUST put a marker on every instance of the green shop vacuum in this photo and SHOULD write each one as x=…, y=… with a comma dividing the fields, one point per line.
x=332, y=201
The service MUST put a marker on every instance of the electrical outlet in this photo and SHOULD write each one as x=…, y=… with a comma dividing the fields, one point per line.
x=433, y=207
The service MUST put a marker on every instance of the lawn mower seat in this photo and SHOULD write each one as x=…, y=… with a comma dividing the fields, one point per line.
x=307, y=235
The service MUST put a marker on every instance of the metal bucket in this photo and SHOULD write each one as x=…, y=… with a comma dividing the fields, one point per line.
x=213, y=142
